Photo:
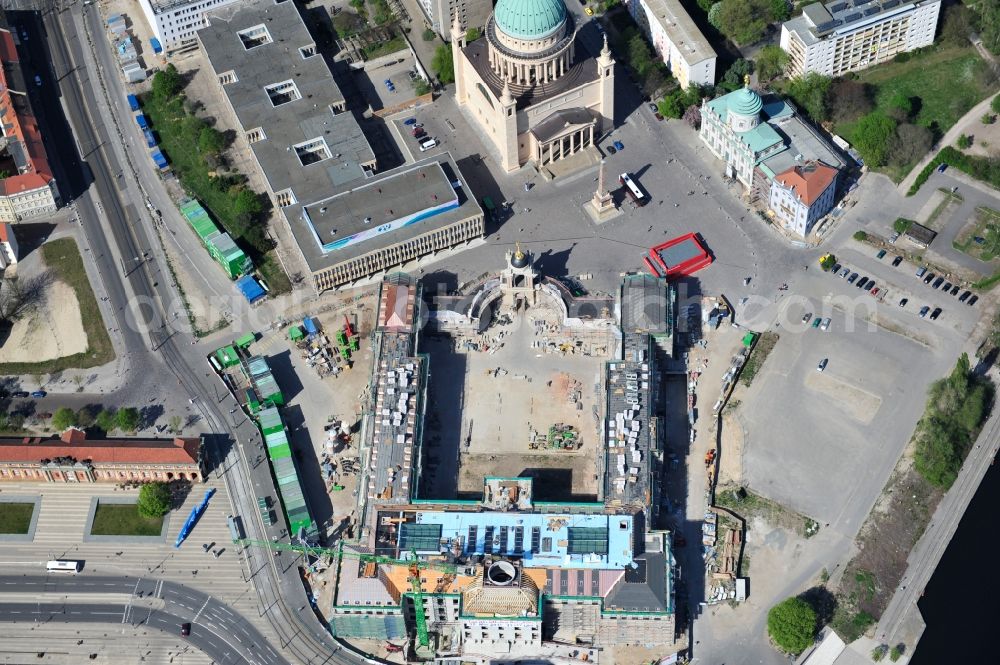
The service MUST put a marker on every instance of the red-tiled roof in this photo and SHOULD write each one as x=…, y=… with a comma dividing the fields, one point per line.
x=74, y=443
x=6, y=232
x=8, y=51
x=808, y=181
x=21, y=127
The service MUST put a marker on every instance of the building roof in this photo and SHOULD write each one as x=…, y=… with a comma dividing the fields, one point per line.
x=530, y=19
x=74, y=443
x=748, y=103
x=820, y=20
x=643, y=588
x=6, y=232
x=361, y=216
x=560, y=122
x=744, y=101
x=279, y=83
x=681, y=29
x=808, y=181
x=802, y=144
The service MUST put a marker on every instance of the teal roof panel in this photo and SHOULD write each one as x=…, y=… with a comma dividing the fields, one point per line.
x=530, y=19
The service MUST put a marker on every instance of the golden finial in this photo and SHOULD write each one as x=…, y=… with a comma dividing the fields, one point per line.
x=518, y=254
x=746, y=80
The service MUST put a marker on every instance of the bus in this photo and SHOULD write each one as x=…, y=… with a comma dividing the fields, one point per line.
x=632, y=189
x=64, y=566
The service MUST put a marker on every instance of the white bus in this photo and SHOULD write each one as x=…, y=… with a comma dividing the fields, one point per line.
x=632, y=189
x=64, y=566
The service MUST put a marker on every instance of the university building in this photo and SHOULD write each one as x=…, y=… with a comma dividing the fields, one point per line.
x=842, y=36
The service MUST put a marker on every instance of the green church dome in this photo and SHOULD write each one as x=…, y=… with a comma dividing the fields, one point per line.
x=745, y=102
x=530, y=19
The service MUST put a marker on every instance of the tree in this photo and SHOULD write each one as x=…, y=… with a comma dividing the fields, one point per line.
x=85, y=416
x=671, y=106
x=706, y=4
x=792, y=625
x=428, y=35
x=127, y=419
x=713, y=16
x=63, y=418
x=472, y=34
x=734, y=76
x=810, y=93
x=900, y=106
x=902, y=225
x=896, y=653
x=443, y=64
x=154, y=500
x=827, y=262
x=167, y=82
x=860, y=236
x=421, y=87
x=692, y=116
x=848, y=100
x=639, y=56
x=988, y=119
x=105, y=420
x=910, y=144
x=780, y=10
x=771, y=62
x=743, y=21
x=175, y=424
x=959, y=23
x=211, y=141
x=989, y=25
x=964, y=142
x=872, y=137
x=247, y=202
x=995, y=104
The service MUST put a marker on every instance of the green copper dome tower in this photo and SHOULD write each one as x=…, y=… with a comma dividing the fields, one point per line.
x=530, y=19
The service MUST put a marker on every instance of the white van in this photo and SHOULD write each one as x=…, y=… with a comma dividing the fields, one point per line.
x=428, y=144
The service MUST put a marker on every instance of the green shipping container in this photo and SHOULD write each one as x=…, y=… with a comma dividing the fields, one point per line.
x=228, y=255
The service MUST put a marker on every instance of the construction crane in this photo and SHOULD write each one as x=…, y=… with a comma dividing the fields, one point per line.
x=340, y=553
x=419, y=618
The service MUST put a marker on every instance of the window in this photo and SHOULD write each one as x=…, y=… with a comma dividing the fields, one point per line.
x=307, y=51
x=255, y=135
x=282, y=93
x=255, y=36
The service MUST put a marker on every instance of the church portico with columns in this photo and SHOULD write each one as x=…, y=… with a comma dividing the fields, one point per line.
x=532, y=89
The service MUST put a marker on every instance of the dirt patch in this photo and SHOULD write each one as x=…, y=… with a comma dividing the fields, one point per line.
x=558, y=477
x=53, y=329
x=752, y=507
x=860, y=404
x=731, y=448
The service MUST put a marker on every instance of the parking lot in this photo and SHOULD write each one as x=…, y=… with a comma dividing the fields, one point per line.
x=851, y=420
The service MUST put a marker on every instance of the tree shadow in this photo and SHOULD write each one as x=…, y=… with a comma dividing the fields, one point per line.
x=823, y=603
x=148, y=415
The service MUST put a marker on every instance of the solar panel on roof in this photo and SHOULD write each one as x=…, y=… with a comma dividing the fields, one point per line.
x=488, y=540
x=827, y=26
x=536, y=539
x=839, y=7
x=518, y=540
x=889, y=4
x=871, y=11
x=473, y=532
x=852, y=17
x=503, y=540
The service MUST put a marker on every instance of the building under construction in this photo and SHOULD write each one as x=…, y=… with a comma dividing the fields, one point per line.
x=501, y=576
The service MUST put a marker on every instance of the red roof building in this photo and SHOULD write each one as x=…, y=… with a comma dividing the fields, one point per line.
x=801, y=195
x=72, y=457
x=31, y=189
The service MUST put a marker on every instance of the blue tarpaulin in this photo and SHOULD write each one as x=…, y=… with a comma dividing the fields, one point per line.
x=250, y=289
x=155, y=43
x=310, y=326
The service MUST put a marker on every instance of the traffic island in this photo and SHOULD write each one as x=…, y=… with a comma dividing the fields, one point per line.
x=117, y=519
x=18, y=517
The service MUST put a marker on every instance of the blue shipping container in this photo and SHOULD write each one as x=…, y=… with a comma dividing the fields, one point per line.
x=250, y=289
x=133, y=102
x=155, y=43
x=310, y=326
x=160, y=160
x=141, y=119
x=150, y=139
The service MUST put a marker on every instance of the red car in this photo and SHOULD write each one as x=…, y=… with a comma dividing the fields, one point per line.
x=417, y=132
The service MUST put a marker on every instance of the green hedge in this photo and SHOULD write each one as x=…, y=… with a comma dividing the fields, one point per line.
x=986, y=169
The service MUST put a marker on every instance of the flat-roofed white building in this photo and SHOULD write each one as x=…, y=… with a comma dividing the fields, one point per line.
x=685, y=51
x=837, y=37
x=442, y=13
x=175, y=23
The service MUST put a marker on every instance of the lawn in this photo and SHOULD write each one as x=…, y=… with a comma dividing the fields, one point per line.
x=15, y=517
x=944, y=83
x=986, y=229
x=378, y=49
x=173, y=126
x=63, y=258
x=123, y=519
x=757, y=357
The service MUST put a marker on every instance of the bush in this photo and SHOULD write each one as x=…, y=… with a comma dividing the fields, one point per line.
x=792, y=625
x=428, y=35
x=988, y=119
x=154, y=500
x=771, y=62
x=827, y=262
x=128, y=419
x=902, y=225
x=421, y=87
x=873, y=136
x=995, y=104
x=105, y=420
x=167, y=83
x=443, y=65
x=63, y=418
x=810, y=93
x=896, y=652
x=860, y=236
x=472, y=34
x=964, y=142
x=878, y=653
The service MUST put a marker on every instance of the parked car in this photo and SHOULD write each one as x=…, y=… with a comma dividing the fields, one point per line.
x=826, y=324
x=410, y=121
x=941, y=168
x=816, y=322
x=947, y=287
x=924, y=310
x=881, y=253
x=845, y=272
x=962, y=298
x=38, y=80
x=185, y=629
x=417, y=130
x=893, y=238
x=896, y=261
x=619, y=146
x=902, y=303
x=921, y=271
x=972, y=300
x=954, y=290
x=38, y=394
x=929, y=277
x=854, y=276
x=659, y=116
x=875, y=291
x=806, y=317
x=861, y=282
x=822, y=364
x=652, y=107
x=612, y=150
x=936, y=313
x=588, y=11
x=937, y=282
x=835, y=269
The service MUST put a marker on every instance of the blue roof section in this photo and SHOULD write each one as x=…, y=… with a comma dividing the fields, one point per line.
x=563, y=540
x=250, y=289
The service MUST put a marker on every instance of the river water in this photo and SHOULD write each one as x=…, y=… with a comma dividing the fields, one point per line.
x=959, y=604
